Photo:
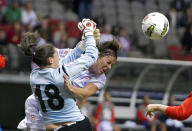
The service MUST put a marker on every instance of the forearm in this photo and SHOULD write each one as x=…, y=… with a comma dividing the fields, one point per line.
x=69, y=55
x=161, y=108
x=91, y=50
x=51, y=127
x=79, y=93
x=84, y=92
x=181, y=112
x=85, y=61
x=155, y=107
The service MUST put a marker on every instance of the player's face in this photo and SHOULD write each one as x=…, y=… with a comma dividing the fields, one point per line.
x=55, y=63
x=104, y=64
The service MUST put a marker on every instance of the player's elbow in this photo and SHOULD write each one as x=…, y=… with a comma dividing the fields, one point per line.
x=81, y=96
x=183, y=117
x=182, y=114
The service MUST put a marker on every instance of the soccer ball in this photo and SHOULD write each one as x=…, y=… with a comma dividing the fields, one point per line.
x=155, y=26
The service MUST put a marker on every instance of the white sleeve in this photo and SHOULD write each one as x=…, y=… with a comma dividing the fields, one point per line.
x=22, y=124
x=98, y=81
x=69, y=55
x=34, y=119
x=85, y=61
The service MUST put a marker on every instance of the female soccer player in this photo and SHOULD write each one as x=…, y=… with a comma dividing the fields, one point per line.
x=107, y=57
x=56, y=104
x=180, y=112
x=89, y=82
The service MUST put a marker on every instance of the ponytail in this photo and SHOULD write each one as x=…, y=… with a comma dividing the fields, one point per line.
x=28, y=44
x=40, y=53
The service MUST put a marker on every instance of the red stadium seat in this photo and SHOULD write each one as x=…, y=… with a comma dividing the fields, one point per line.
x=7, y=28
x=175, y=52
x=188, y=57
x=54, y=23
x=72, y=29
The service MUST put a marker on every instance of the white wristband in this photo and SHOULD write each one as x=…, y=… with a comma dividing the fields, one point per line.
x=88, y=33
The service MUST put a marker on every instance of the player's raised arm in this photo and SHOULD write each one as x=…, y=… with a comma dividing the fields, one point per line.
x=69, y=55
x=91, y=52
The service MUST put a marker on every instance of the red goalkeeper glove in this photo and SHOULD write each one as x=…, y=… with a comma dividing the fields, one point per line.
x=87, y=26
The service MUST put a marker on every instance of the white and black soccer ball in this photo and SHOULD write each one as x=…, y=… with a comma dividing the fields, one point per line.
x=155, y=26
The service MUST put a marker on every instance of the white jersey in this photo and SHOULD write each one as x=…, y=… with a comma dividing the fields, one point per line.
x=86, y=77
x=33, y=118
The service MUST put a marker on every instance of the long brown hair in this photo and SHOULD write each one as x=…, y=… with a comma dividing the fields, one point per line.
x=39, y=53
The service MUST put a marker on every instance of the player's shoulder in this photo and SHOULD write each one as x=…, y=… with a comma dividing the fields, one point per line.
x=92, y=76
x=35, y=70
x=47, y=72
x=32, y=96
x=98, y=80
x=101, y=77
x=30, y=100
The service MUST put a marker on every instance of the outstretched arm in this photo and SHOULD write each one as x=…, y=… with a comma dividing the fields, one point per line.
x=181, y=112
x=91, y=51
x=69, y=55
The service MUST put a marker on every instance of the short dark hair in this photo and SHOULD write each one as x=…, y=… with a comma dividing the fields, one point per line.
x=40, y=53
x=109, y=48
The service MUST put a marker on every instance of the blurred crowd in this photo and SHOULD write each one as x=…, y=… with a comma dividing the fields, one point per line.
x=19, y=16
x=102, y=116
x=180, y=19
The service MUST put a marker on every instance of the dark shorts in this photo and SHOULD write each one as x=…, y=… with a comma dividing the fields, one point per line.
x=83, y=125
x=146, y=125
x=161, y=117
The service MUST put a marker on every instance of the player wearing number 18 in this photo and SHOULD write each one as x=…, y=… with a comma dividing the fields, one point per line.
x=56, y=104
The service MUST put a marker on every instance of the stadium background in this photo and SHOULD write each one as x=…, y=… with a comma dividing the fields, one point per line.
x=135, y=75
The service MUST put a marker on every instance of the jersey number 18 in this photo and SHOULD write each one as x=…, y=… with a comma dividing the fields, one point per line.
x=51, y=97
